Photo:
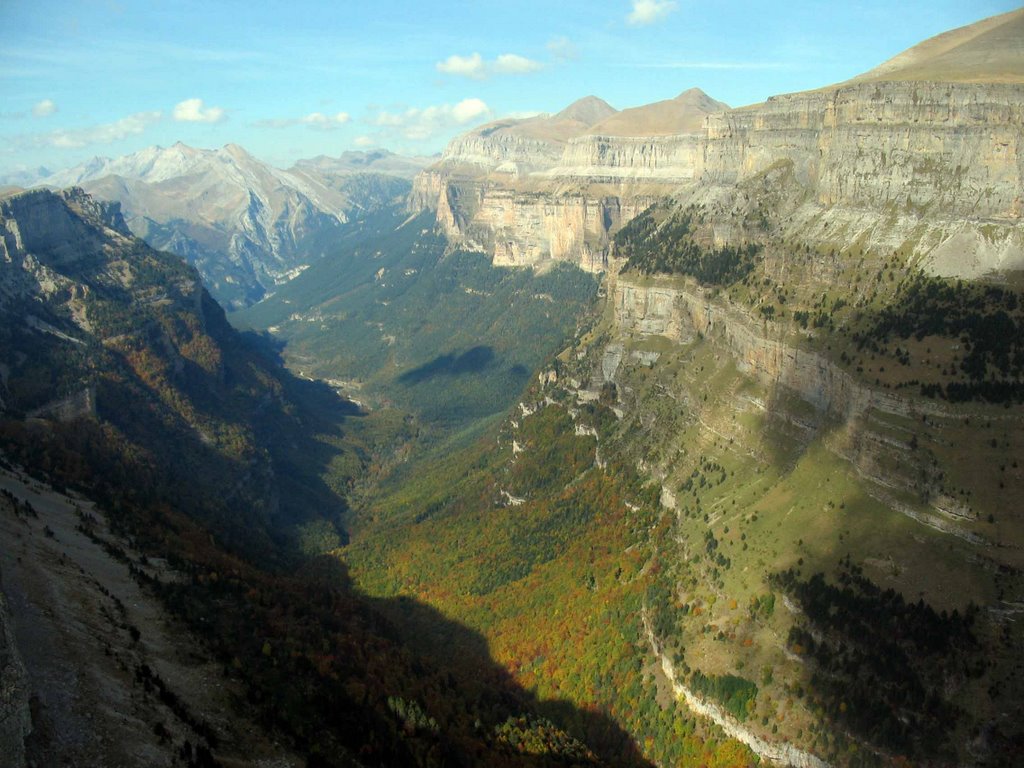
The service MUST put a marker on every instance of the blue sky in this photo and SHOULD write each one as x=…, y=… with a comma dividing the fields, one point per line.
x=295, y=79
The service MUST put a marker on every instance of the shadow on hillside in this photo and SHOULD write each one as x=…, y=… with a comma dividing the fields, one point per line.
x=464, y=654
x=473, y=360
x=312, y=474
x=878, y=657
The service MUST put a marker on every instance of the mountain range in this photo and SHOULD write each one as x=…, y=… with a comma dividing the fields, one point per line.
x=247, y=226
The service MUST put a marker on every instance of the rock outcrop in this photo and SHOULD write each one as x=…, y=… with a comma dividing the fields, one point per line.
x=33, y=223
x=606, y=158
x=776, y=753
x=944, y=148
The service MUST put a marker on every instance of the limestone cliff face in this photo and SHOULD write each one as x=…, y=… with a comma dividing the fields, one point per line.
x=502, y=150
x=36, y=222
x=953, y=148
x=935, y=166
x=631, y=158
x=556, y=188
x=526, y=229
x=681, y=313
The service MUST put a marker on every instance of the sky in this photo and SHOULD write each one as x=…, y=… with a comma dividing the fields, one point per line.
x=295, y=79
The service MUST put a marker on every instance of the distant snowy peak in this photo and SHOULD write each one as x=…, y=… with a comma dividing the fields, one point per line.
x=156, y=164
x=151, y=165
x=245, y=224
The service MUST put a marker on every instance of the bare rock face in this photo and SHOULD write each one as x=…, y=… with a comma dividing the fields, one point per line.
x=933, y=163
x=657, y=159
x=503, y=151
x=952, y=148
x=38, y=222
x=556, y=188
x=678, y=314
x=522, y=229
x=936, y=168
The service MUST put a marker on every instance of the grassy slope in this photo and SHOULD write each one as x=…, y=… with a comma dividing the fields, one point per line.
x=777, y=493
x=394, y=320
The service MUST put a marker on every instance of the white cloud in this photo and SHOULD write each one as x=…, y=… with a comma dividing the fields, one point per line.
x=468, y=110
x=98, y=134
x=316, y=120
x=650, y=11
x=474, y=66
x=465, y=66
x=44, y=108
x=514, y=64
x=417, y=124
x=325, y=122
x=391, y=120
x=563, y=49
x=193, y=111
x=364, y=142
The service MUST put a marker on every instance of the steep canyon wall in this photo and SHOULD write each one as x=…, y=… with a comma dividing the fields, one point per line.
x=682, y=313
x=937, y=166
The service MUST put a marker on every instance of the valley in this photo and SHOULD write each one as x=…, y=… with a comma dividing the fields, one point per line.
x=680, y=435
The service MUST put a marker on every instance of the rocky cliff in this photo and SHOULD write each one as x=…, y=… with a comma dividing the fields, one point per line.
x=944, y=148
x=556, y=188
x=32, y=223
x=930, y=163
x=605, y=158
x=758, y=349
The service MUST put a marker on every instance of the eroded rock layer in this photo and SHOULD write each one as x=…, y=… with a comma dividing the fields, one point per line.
x=933, y=164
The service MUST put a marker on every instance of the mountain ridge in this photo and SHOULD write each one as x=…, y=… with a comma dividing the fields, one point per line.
x=247, y=225
x=683, y=114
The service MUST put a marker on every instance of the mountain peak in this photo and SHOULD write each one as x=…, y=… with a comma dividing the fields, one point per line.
x=694, y=95
x=236, y=151
x=588, y=110
x=683, y=114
